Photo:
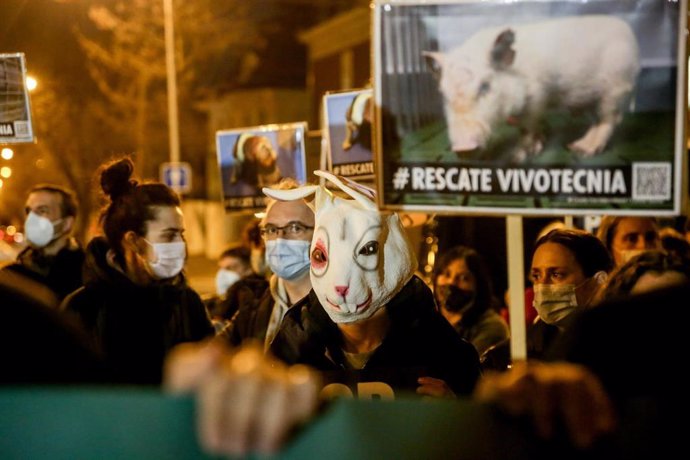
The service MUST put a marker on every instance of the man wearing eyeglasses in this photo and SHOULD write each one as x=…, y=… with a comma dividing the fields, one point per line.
x=287, y=230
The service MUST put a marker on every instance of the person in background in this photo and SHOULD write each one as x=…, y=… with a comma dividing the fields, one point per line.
x=286, y=228
x=568, y=268
x=673, y=242
x=462, y=289
x=236, y=285
x=233, y=264
x=648, y=271
x=53, y=257
x=627, y=236
x=135, y=303
x=530, y=312
x=251, y=237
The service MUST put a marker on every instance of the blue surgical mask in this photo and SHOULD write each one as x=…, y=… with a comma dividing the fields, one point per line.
x=288, y=259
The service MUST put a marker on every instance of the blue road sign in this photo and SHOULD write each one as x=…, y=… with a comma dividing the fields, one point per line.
x=177, y=176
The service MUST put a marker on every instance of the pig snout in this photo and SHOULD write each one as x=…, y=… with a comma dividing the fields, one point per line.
x=467, y=135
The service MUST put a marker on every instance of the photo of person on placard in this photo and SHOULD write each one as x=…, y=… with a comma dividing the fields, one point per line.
x=252, y=158
x=348, y=117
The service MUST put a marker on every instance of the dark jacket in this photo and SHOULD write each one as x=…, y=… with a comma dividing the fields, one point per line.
x=61, y=273
x=419, y=340
x=135, y=326
x=243, y=292
x=252, y=317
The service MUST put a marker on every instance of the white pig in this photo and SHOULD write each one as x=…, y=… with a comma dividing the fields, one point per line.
x=514, y=73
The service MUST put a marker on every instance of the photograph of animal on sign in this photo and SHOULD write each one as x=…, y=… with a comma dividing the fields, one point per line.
x=522, y=81
x=348, y=119
x=256, y=157
x=505, y=74
x=494, y=104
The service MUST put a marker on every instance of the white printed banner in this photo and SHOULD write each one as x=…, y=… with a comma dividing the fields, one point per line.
x=530, y=107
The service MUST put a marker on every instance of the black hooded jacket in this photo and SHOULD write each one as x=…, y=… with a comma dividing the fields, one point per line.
x=420, y=342
x=135, y=326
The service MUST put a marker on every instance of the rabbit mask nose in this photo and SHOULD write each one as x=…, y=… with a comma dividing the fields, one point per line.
x=342, y=290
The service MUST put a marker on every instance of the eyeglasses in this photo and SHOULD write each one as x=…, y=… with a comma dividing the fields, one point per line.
x=290, y=230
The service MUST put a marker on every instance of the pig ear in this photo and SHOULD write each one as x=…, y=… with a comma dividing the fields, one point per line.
x=435, y=61
x=502, y=55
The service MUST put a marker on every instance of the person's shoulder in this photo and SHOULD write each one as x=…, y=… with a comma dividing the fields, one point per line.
x=490, y=319
x=79, y=300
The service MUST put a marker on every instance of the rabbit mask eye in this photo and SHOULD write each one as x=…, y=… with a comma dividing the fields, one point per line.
x=369, y=249
x=319, y=255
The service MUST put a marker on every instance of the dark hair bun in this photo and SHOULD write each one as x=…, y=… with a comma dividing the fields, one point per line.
x=116, y=178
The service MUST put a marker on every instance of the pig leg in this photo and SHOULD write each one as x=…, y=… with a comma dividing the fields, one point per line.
x=531, y=142
x=594, y=141
x=610, y=114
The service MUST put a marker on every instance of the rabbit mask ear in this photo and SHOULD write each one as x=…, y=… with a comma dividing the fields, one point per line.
x=361, y=194
x=301, y=193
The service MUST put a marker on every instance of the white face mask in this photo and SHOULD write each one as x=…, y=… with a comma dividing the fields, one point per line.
x=224, y=279
x=554, y=302
x=170, y=258
x=288, y=259
x=39, y=230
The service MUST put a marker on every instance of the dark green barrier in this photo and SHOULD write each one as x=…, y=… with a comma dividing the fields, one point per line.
x=94, y=423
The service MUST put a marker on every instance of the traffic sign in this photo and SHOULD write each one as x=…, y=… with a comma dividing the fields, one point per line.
x=177, y=176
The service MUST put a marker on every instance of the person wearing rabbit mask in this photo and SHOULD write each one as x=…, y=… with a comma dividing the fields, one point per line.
x=286, y=229
x=368, y=319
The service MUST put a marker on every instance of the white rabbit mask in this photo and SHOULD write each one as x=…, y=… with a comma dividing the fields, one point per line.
x=360, y=257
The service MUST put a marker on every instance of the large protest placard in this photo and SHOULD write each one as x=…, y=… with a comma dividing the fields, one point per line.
x=256, y=157
x=348, y=120
x=530, y=107
x=15, y=109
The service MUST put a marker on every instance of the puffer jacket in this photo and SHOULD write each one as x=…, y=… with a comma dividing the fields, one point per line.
x=135, y=326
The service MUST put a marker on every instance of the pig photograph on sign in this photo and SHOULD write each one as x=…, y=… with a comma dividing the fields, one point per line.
x=530, y=107
x=15, y=109
x=256, y=157
x=348, y=118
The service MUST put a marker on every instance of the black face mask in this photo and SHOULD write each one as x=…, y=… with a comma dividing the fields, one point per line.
x=455, y=299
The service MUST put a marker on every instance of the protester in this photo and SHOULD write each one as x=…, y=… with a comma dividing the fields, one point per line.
x=648, y=271
x=462, y=289
x=53, y=257
x=233, y=268
x=568, y=268
x=135, y=303
x=368, y=318
x=673, y=242
x=625, y=237
x=287, y=228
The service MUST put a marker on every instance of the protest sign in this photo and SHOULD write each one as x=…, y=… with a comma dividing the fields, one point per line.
x=256, y=157
x=15, y=109
x=530, y=107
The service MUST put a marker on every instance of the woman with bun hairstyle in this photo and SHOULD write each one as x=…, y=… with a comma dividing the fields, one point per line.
x=135, y=303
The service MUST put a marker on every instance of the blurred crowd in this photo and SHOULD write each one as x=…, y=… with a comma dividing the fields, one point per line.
x=321, y=296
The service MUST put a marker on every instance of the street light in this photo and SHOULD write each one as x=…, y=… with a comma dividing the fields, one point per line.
x=31, y=83
x=5, y=172
x=7, y=153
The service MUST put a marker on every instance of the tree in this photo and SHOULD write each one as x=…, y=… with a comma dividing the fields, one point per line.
x=127, y=62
